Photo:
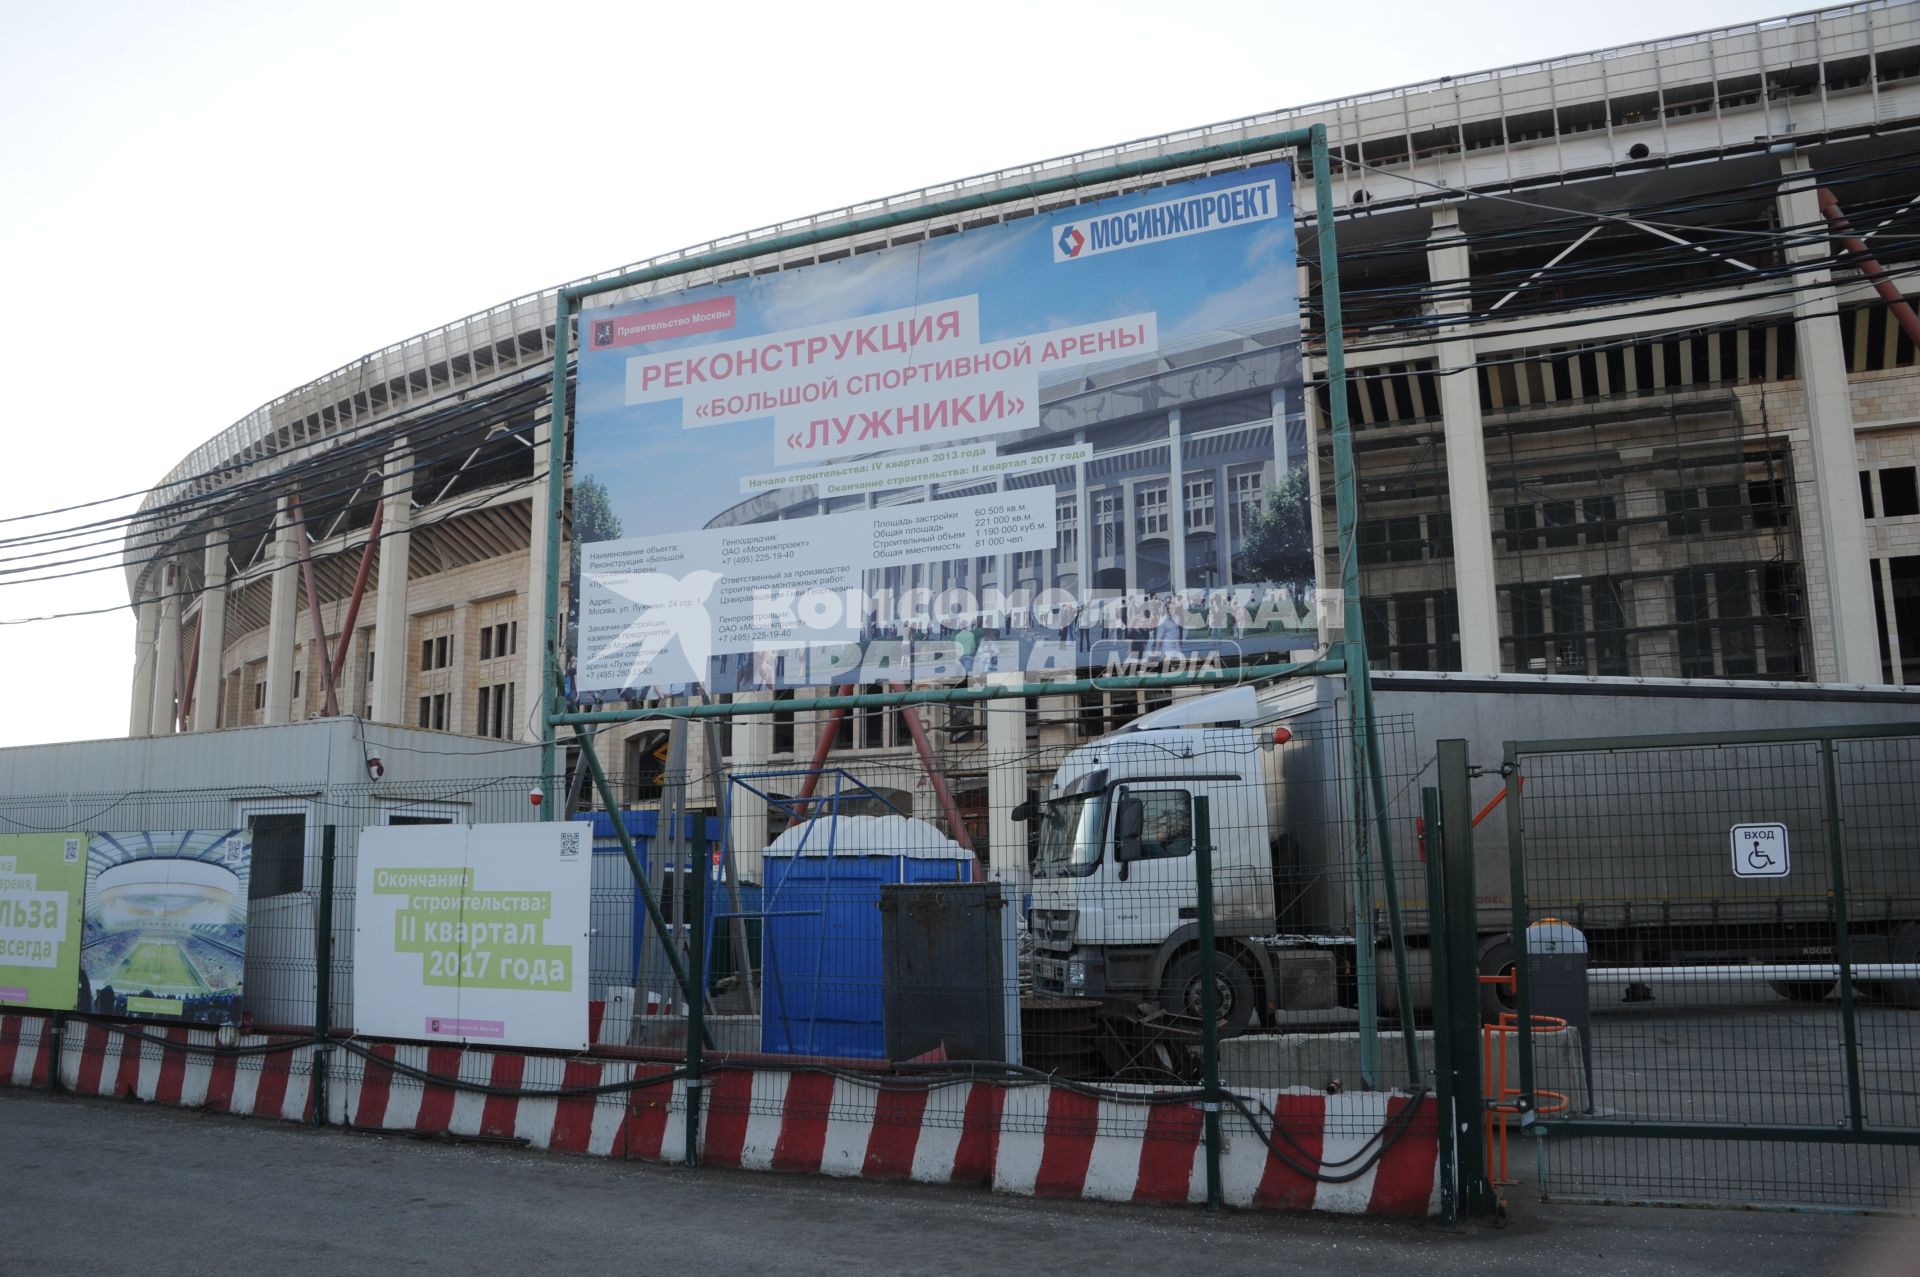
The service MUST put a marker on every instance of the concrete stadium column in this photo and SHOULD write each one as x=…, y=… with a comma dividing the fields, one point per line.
x=1840, y=593
x=390, y=646
x=283, y=599
x=147, y=628
x=533, y=643
x=460, y=673
x=747, y=819
x=1006, y=783
x=1473, y=578
x=163, y=715
x=213, y=624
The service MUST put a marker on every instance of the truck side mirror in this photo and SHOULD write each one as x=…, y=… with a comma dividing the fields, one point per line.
x=1128, y=824
x=1023, y=813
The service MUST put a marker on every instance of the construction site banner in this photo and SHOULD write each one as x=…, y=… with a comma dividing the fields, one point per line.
x=474, y=933
x=1057, y=441
x=166, y=924
x=42, y=879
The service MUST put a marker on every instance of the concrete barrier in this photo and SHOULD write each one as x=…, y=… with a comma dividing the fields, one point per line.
x=1039, y=1139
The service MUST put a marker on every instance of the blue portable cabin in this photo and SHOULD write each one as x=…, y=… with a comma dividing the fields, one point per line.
x=822, y=982
x=621, y=930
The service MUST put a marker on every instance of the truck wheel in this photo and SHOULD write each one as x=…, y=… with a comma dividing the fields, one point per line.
x=1232, y=991
x=1803, y=990
x=1496, y=958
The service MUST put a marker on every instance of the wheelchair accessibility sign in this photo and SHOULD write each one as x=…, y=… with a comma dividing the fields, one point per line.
x=1760, y=851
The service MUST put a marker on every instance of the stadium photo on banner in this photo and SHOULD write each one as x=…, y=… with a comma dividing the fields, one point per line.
x=166, y=924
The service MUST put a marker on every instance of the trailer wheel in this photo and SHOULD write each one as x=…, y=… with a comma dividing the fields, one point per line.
x=1902, y=946
x=1496, y=958
x=1802, y=990
x=1232, y=990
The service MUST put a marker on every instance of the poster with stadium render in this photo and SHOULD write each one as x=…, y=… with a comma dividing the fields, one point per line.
x=1056, y=441
x=166, y=924
x=42, y=877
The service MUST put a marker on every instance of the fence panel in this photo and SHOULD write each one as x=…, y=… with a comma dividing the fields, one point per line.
x=1736, y=895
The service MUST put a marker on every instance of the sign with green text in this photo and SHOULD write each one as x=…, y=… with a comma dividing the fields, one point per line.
x=42, y=877
x=474, y=933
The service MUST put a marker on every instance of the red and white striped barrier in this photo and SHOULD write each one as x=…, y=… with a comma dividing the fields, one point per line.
x=1044, y=1141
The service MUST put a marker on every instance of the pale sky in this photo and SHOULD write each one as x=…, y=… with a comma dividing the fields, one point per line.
x=205, y=205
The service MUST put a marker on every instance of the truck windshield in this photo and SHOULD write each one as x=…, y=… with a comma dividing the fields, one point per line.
x=1071, y=835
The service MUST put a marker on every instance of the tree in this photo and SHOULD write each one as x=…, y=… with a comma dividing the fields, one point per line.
x=1278, y=542
x=593, y=520
x=593, y=516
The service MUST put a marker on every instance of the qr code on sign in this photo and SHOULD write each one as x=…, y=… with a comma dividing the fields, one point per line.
x=569, y=846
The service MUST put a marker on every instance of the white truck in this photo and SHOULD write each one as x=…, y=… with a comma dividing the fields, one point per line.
x=1114, y=911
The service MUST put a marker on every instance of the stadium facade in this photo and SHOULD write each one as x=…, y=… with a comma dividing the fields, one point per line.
x=1623, y=404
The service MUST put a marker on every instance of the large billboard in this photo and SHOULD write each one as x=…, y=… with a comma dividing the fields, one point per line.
x=166, y=924
x=474, y=933
x=1057, y=441
x=42, y=878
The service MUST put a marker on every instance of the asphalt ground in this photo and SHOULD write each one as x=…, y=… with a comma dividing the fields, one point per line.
x=106, y=1186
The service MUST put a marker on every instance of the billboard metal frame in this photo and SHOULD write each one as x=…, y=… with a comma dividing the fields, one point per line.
x=1346, y=655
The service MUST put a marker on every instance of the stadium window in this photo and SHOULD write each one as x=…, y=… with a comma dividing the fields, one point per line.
x=1520, y=524
x=1899, y=493
x=1561, y=523
x=499, y=640
x=496, y=711
x=1682, y=507
x=1602, y=517
x=433, y=711
x=441, y=647
x=783, y=724
x=426, y=654
x=1769, y=499
x=259, y=695
x=1529, y=629
x=1726, y=508
x=279, y=853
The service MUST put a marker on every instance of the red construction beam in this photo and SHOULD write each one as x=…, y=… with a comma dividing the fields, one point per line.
x=331, y=705
x=1869, y=265
x=359, y=590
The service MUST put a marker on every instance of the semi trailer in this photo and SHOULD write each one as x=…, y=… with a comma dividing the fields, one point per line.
x=1637, y=861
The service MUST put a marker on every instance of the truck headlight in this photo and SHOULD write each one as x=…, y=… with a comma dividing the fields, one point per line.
x=1077, y=974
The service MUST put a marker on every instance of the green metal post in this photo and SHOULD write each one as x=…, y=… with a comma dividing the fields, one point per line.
x=1842, y=942
x=553, y=661
x=1474, y=1194
x=1522, y=977
x=1369, y=781
x=694, y=875
x=323, y=976
x=659, y=924
x=1209, y=1009
x=1446, y=1104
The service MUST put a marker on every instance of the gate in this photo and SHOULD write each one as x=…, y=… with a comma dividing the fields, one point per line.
x=1747, y=1031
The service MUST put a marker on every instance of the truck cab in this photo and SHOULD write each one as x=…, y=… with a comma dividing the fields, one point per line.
x=1115, y=908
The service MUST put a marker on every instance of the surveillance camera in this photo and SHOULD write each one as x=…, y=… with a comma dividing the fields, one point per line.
x=533, y=796
x=375, y=769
